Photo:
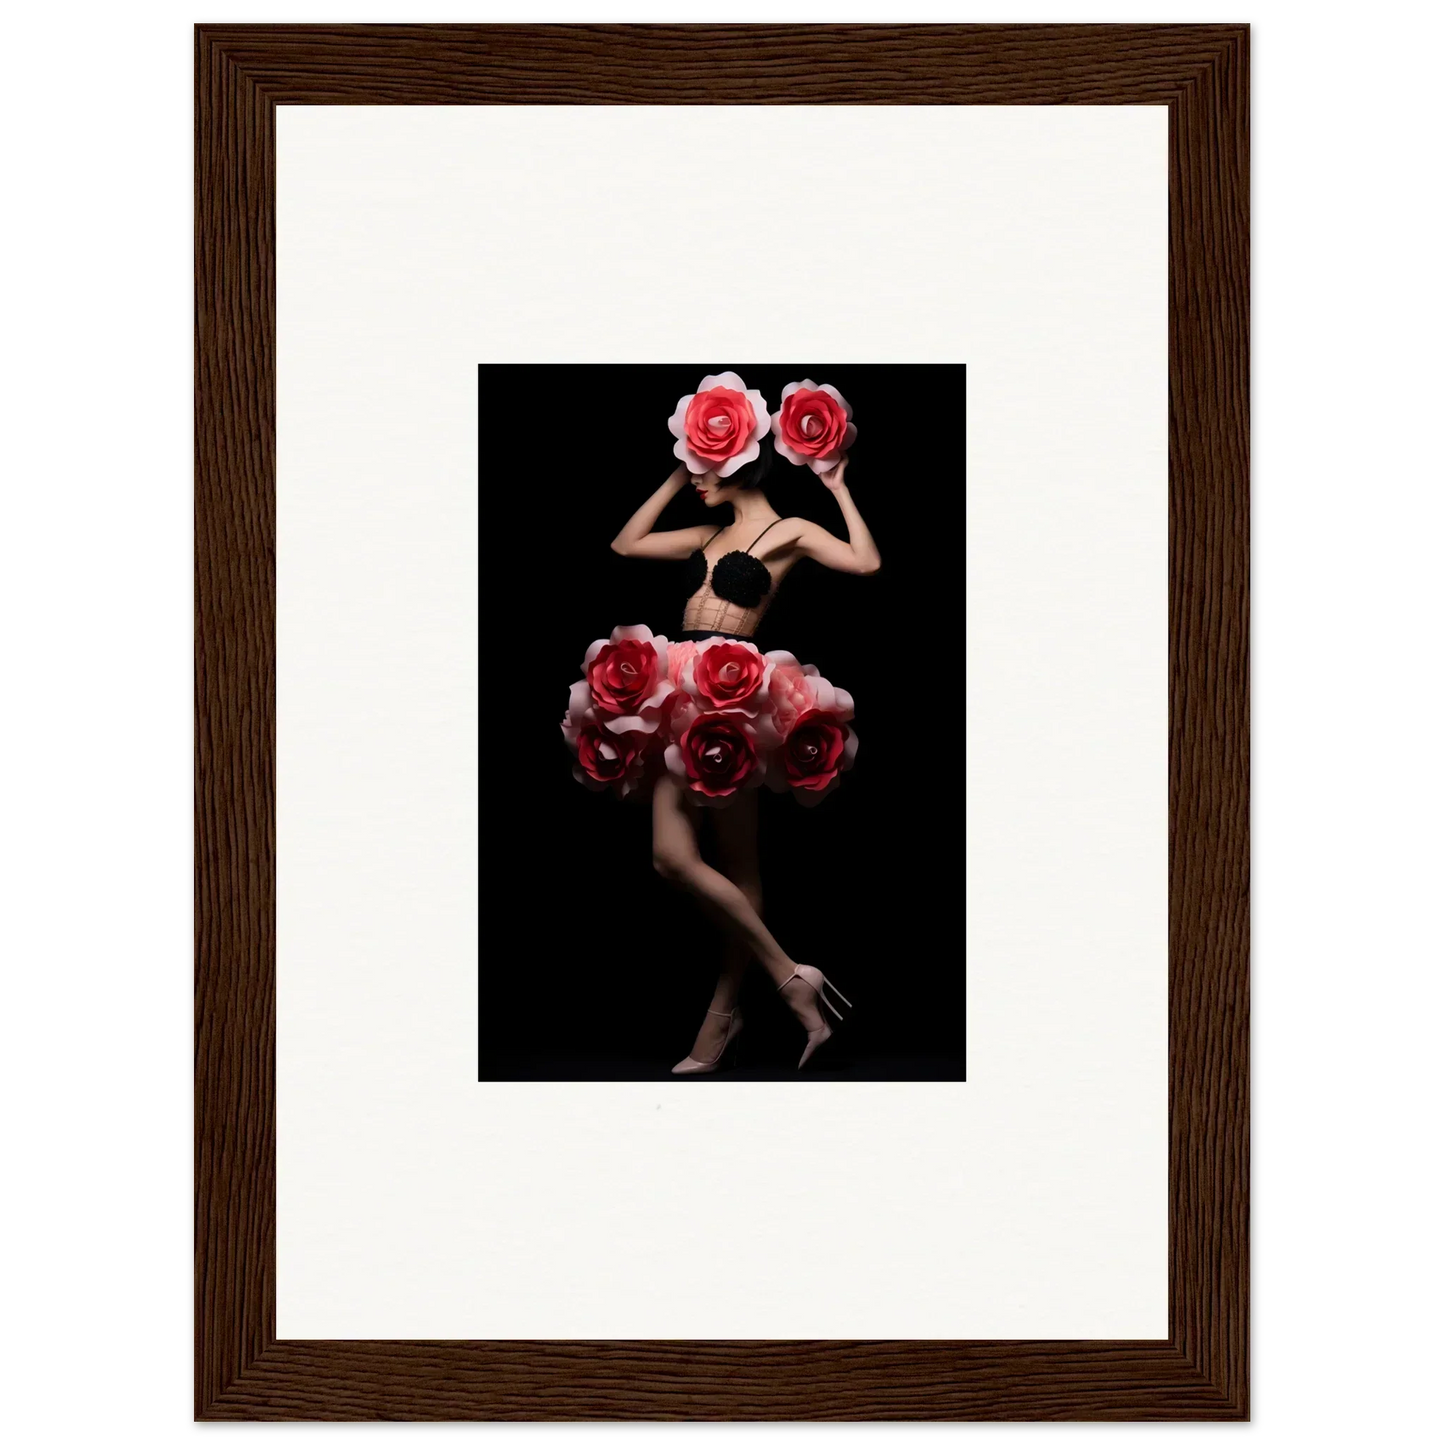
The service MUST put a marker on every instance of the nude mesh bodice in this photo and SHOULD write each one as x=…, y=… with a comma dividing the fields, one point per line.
x=736, y=579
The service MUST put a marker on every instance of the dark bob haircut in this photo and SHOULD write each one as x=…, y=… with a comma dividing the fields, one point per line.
x=752, y=474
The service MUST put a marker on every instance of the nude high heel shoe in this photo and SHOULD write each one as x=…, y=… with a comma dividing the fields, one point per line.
x=691, y=1065
x=819, y=982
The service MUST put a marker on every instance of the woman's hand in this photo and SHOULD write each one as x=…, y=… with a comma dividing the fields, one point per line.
x=859, y=554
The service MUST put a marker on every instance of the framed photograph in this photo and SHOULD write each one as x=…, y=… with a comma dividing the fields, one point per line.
x=722, y=722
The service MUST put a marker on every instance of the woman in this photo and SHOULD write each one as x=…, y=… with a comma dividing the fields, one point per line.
x=735, y=573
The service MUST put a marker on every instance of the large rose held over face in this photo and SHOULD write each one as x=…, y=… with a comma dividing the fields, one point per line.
x=718, y=427
x=716, y=754
x=814, y=425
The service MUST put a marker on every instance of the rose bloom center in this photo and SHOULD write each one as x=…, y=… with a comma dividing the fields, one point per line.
x=730, y=672
x=628, y=670
x=718, y=424
x=811, y=425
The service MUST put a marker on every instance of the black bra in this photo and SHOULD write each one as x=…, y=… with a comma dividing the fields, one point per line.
x=737, y=577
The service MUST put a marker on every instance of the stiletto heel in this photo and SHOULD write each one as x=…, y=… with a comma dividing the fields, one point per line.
x=819, y=982
x=690, y=1065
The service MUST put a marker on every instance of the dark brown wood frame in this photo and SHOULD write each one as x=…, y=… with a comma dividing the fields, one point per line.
x=243, y=1372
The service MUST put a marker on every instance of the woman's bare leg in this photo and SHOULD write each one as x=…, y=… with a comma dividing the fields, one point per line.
x=736, y=832
x=676, y=857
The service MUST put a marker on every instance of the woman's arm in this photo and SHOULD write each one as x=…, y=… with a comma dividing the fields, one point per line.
x=859, y=554
x=637, y=539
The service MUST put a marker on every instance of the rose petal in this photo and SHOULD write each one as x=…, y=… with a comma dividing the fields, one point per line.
x=729, y=379
x=767, y=733
x=750, y=454
x=783, y=449
x=630, y=723
x=760, y=415
x=810, y=799
x=690, y=459
x=675, y=421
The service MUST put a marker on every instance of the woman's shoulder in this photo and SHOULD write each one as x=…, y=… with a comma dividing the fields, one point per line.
x=699, y=535
x=782, y=537
x=794, y=529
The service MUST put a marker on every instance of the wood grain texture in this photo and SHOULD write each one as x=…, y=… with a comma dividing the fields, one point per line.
x=242, y=1371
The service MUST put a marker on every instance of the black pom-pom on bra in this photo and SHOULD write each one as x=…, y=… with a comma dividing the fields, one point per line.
x=737, y=577
x=696, y=566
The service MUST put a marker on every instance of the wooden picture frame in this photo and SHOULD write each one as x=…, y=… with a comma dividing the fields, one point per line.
x=243, y=1372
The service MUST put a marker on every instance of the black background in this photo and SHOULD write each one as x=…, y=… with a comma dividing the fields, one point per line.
x=591, y=966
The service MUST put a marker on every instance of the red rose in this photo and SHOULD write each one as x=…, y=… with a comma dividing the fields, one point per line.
x=718, y=427
x=813, y=752
x=718, y=423
x=715, y=754
x=814, y=425
x=727, y=673
x=608, y=757
x=623, y=675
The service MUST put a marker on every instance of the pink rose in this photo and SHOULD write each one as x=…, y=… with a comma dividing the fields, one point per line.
x=718, y=427
x=679, y=654
x=627, y=678
x=728, y=674
x=717, y=755
x=814, y=425
x=788, y=688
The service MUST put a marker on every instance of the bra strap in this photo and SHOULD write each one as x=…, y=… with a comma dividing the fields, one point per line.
x=763, y=533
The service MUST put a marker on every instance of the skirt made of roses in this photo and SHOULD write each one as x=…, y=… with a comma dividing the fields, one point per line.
x=714, y=712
